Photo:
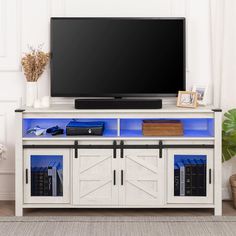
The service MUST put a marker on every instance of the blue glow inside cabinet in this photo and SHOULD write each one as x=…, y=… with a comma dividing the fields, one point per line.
x=190, y=174
x=192, y=127
x=46, y=175
x=110, y=126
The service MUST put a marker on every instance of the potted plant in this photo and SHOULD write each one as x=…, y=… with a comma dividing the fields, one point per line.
x=33, y=64
x=229, y=144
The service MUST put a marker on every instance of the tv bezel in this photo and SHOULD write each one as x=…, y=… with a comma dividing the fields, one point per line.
x=119, y=95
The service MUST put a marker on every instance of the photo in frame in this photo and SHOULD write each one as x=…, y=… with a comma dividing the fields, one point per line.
x=201, y=91
x=187, y=99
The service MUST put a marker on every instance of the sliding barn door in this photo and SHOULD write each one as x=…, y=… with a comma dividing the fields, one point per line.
x=142, y=178
x=94, y=178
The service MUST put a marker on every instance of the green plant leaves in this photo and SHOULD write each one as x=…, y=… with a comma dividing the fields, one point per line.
x=229, y=135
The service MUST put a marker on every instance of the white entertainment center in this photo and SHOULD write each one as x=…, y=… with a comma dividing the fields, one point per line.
x=122, y=168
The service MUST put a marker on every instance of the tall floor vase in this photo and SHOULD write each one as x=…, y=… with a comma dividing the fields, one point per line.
x=31, y=93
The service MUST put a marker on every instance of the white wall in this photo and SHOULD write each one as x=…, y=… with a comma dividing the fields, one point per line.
x=225, y=68
x=26, y=22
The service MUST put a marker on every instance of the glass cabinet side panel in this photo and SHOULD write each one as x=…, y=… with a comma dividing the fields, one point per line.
x=46, y=175
x=190, y=175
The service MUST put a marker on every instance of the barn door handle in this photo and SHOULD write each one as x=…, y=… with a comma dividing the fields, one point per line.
x=122, y=177
x=114, y=177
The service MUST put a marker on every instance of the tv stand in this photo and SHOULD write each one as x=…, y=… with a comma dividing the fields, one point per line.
x=119, y=103
x=123, y=168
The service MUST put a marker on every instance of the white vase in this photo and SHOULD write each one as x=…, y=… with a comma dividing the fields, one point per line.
x=31, y=93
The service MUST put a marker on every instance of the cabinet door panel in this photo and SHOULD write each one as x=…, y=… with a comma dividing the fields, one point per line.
x=143, y=178
x=93, y=177
x=46, y=175
x=190, y=175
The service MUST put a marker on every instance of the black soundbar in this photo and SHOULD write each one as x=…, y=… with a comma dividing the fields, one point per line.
x=118, y=103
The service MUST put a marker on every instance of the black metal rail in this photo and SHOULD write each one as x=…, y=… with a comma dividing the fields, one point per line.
x=120, y=146
x=145, y=146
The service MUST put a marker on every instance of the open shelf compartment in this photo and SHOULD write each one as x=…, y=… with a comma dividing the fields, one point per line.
x=110, y=129
x=129, y=127
x=193, y=127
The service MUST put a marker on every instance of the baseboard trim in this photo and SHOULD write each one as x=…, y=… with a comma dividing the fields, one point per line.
x=7, y=196
x=7, y=172
x=226, y=194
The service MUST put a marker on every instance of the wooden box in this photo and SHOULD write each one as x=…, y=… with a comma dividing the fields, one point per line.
x=162, y=128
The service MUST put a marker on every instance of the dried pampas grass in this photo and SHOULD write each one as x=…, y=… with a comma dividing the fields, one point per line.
x=34, y=63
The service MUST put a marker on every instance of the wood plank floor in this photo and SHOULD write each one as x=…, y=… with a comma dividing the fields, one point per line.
x=7, y=209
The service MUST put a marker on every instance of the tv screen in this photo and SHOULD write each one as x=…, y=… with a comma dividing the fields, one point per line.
x=100, y=57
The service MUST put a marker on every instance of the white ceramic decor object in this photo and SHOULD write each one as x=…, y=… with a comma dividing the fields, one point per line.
x=31, y=93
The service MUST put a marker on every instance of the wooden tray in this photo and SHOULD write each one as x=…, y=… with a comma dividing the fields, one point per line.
x=162, y=128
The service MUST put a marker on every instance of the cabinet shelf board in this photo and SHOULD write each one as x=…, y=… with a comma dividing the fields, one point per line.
x=107, y=133
x=187, y=134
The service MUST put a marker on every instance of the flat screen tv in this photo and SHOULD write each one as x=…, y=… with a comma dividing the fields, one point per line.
x=117, y=57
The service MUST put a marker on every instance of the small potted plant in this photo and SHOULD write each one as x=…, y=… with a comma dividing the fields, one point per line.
x=33, y=64
x=229, y=144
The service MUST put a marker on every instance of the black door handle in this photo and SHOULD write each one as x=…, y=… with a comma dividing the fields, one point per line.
x=26, y=176
x=114, y=177
x=122, y=177
x=209, y=176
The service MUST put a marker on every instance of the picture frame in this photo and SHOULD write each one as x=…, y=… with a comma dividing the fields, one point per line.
x=201, y=91
x=187, y=99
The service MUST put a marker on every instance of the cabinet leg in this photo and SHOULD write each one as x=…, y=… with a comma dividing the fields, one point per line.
x=218, y=211
x=18, y=211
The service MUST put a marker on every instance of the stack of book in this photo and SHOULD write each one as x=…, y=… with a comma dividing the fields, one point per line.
x=47, y=181
x=190, y=177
